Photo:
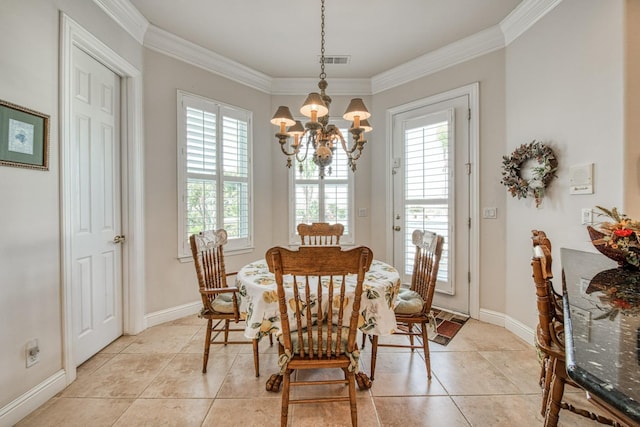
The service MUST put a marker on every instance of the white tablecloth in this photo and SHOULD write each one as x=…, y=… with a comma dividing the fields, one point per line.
x=259, y=304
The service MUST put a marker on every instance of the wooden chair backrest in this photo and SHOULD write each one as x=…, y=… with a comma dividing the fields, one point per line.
x=208, y=258
x=426, y=264
x=540, y=240
x=550, y=327
x=315, y=268
x=320, y=233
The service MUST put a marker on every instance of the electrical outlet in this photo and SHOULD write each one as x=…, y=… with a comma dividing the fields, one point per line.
x=586, y=216
x=32, y=353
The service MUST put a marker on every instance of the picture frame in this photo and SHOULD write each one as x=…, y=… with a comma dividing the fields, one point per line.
x=24, y=137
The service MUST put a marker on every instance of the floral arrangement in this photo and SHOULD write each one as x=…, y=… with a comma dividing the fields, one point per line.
x=543, y=173
x=617, y=292
x=619, y=236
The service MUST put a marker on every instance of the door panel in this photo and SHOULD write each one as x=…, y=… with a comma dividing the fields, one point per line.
x=431, y=191
x=96, y=217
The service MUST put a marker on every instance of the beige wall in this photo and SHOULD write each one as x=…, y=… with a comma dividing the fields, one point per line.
x=632, y=109
x=171, y=283
x=564, y=86
x=30, y=305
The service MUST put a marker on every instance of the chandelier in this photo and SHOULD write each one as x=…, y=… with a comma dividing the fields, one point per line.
x=317, y=134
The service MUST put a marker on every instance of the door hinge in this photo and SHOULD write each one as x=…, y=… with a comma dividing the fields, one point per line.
x=469, y=114
x=469, y=222
x=468, y=166
x=469, y=277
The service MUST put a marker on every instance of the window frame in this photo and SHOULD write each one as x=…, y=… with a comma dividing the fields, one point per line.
x=185, y=100
x=347, y=239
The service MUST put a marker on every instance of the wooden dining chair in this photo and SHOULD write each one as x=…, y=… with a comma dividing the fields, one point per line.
x=320, y=233
x=549, y=339
x=318, y=334
x=414, y=302
x=220, y=302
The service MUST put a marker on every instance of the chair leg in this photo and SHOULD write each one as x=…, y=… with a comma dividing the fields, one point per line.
x=226, y=331
x=547, y=366
x=256, y=356
x=425, y=345
x=271, y=339
x=352, y=397
x=410, y=332
x=374, y=355
x=554, y=402
x=207, y=345
x=284, y=411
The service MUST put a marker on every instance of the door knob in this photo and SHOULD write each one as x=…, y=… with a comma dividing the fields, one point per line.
x=119, y=239
x=396, y=228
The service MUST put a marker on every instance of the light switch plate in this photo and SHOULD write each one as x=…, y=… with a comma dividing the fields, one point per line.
x=490, y=213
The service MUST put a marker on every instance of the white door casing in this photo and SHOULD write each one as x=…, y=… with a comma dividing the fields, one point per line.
x=449, y=208
x=132, y=172
x=96, y=274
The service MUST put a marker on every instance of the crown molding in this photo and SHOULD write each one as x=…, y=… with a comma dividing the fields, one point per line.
x=302, y=86
x=524, y=16
x=460, y=51
x=126, y=15
x=186, y=51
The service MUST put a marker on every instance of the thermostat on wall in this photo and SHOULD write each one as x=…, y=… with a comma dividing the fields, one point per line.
x=581, y=179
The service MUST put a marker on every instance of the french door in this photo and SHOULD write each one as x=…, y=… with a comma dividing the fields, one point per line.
x=431, y=191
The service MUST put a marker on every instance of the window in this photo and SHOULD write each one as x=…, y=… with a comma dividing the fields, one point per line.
x=214, y=171
x=427, y=182
x=323, y=200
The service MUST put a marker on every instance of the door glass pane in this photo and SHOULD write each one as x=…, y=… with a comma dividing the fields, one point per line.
x=426, y=154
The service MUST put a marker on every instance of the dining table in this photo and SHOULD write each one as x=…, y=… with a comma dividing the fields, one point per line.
x=601, y=307
x=259, y=302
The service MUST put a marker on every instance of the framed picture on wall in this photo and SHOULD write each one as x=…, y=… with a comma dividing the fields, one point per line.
x=24, y=137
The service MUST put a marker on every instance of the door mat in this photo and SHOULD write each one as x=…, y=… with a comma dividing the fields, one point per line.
x=447, y=326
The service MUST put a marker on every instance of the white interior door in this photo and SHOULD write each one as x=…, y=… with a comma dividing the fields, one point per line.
x=431, y=191
x=96, y=217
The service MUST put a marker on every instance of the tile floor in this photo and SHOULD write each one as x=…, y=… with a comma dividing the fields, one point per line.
x=486, y=376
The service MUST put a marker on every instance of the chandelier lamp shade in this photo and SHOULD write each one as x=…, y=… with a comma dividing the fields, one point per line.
x=317, y=137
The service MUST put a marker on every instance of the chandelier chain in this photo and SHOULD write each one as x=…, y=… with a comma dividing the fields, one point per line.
x=323, y=75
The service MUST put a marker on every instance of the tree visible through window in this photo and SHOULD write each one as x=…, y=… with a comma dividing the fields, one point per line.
x=214, y=179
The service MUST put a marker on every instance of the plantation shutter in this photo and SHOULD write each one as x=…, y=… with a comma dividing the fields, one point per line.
x=215, y=179
x=427, y=181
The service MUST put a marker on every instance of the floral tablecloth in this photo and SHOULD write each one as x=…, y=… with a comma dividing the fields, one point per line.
x=259, y=303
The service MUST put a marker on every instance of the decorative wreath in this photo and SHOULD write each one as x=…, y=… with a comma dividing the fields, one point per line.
x=543, y=173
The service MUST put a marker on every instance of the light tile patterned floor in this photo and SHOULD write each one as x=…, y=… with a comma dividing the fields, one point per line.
x=486, y=376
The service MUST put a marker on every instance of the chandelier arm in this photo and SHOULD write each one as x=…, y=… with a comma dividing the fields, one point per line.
x=343, y=142
x=282, y=139
x=306, y=147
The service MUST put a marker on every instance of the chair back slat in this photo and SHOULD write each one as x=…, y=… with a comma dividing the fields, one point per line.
x=426, y=264
x=320, y=233
x=320, y=326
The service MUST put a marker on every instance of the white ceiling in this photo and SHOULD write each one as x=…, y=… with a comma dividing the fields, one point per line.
x=281, y=38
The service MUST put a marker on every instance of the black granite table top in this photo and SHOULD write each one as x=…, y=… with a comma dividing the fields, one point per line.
x=602, y=328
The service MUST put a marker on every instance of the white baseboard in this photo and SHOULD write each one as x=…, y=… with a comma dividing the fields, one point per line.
x=519, y=329
x=173, y=313
x=493, y=317
x=509, y=323
x=31, y=400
